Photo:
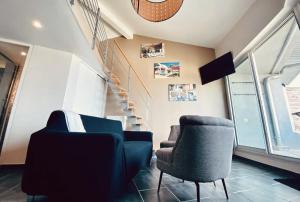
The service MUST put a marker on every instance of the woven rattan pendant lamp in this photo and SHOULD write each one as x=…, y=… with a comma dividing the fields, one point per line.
x=156, y=10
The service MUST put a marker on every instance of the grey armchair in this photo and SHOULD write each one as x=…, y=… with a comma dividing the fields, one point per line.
x=202, y=152
x=174, y=133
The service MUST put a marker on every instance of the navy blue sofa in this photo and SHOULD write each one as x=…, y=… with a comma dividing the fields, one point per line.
x=92, y=166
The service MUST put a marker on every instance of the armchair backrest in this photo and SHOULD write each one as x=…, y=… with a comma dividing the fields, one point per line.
x=102, y=125
x=174, y=132
x=203, y=150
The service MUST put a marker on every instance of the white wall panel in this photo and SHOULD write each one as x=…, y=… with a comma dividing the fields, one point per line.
x=86, y=90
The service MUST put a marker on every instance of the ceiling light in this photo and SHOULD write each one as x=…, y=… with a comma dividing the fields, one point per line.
x=37, y=24
x=23, y=53
x=156, y=10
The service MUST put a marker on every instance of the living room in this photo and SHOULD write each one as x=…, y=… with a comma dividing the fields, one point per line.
x=150, y=100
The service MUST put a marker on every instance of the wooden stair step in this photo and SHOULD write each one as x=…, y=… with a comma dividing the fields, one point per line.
x=137, y=124
x=123, y=94
x=130, y=103
x=121, y=89
x=116, y=81
x=130, y=108
x=114, y=76
x=135, y=116
x=127, y=104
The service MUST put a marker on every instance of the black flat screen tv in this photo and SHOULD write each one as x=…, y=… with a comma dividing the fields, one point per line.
x=217, y=69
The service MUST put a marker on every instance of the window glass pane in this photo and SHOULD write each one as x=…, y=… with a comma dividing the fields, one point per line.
x=245, y=105
x=278, y=66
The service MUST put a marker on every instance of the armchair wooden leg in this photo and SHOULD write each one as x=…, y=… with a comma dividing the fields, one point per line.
x=214, y=183
x=224, y=185
x=160, y=176
x=198, y=191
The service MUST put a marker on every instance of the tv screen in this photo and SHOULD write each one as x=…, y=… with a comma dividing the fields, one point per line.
x=217, y=69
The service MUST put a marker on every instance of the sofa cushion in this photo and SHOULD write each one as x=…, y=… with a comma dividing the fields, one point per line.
x=101, y=125
x=137, y=155
x=74, y=122
x=63, y=120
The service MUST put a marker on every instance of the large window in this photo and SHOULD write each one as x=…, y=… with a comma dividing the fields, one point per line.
x=278, y=67
x=265, y=94
x=245, y=107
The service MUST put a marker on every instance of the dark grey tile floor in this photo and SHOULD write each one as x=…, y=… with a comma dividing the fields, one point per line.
x=248, y=181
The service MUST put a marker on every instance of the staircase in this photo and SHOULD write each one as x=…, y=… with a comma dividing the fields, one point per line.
x=128, y=99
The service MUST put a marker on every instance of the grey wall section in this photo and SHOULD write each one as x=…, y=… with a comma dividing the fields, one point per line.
x=211, y=98
x=259, y=15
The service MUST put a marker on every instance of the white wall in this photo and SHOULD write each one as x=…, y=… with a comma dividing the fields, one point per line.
x=211, y=98
x=251, y=24
x=85, y=92
x=51, y=80
x=41, y=90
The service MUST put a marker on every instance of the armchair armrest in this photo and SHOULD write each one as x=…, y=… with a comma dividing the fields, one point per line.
x=138, y=136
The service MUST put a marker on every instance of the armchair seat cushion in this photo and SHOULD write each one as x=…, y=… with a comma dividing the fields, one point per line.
x=164, y=154
x=167, y=143
x=137, y=154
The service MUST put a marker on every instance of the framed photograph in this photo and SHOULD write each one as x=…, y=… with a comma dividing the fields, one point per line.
x=166, y=69
x=182, y=92
x=152, y=50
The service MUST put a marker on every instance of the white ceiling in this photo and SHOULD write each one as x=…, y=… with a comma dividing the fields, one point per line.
x=198, y=22
x=60, y=29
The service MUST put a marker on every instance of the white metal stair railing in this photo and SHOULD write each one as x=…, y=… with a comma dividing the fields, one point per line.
x=137, y=98
x=127, y=96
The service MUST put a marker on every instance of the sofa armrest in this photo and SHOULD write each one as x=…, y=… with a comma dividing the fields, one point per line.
x=138, y=136
x=75, y=163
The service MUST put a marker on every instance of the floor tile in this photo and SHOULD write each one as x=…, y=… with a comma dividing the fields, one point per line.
x=130, y=195
x=146, y=180
x=248, y=181
x=163, y=195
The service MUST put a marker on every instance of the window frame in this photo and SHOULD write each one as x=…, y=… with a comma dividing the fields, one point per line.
x=250, y=55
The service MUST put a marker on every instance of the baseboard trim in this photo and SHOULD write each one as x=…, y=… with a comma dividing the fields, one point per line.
x=271, y=160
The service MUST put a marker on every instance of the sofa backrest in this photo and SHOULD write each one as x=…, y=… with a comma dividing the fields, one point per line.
x=95, y=124
x=58, y=121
